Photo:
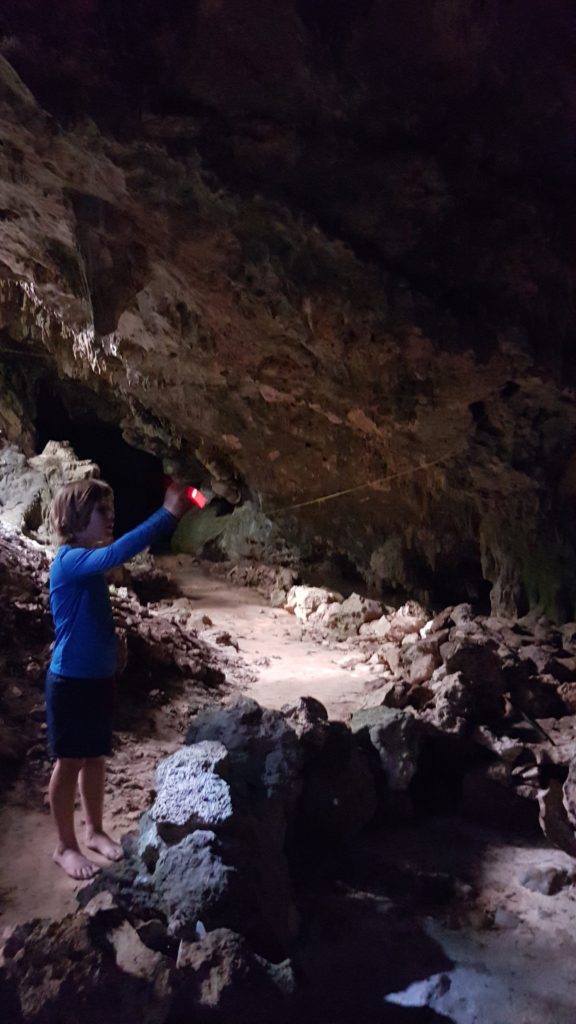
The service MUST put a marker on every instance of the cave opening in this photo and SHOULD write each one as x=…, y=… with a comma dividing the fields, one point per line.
x=461, y=582
x=136, y=476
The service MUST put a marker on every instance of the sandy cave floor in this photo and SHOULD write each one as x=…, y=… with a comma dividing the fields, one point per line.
x=282, y=663
x=503, y=954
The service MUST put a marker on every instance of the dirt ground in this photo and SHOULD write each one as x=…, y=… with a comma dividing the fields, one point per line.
x=272, y=651
x=504, y=956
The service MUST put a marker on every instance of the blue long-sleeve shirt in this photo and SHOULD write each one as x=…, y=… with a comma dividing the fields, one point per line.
x=85, y=645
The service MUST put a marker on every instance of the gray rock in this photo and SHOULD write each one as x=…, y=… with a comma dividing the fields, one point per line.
x=476, y=659
x=461, y=614
x=263, y=750
x=548, y=881
x=220, y=975
x=451, y=706
x=149, y=845
x=396, y=736
x=192, y=882
x=422, y=666
x=305, y=601
x=82, y=969
x=556, y=820
x=191, y=791
x=339, y=796
x=345, y=619
x=308, y=719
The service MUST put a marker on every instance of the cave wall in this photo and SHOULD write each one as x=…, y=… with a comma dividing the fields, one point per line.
x=311, y=246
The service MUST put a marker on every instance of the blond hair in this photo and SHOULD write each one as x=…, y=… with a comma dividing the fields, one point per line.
x=73, y=505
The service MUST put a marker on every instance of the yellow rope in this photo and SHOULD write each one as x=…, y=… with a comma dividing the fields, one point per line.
x=361, y=487
x=381, y=480
x=326, y=497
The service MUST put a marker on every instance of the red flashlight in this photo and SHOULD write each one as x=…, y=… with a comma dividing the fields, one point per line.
x=196, y=496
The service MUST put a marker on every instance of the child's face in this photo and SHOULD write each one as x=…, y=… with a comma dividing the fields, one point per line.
x=100, y=526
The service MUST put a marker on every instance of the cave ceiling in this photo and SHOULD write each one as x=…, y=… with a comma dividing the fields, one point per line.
x=310, y=246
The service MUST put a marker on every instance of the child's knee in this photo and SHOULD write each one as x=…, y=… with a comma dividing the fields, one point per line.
x=93, y=762
x=71, y=765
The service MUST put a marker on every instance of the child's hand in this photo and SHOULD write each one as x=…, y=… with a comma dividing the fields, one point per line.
x=176, y=500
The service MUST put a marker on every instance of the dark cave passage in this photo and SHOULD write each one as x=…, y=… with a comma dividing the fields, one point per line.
x=136, y=477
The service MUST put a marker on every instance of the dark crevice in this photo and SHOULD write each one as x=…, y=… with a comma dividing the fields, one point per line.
x=136, y=476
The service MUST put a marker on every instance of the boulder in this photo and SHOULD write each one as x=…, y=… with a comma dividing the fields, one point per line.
x=339, y=795
x=477, y=660
x=82, y=968
x=453, y=706
x=421, y=658
x=308, y=720
x=569, y=794
x=220, y=979
x=303, y=601
x=567, y=694
x=557, y=814
x=543, y=660
x=538, y=697
x=263, y=750
x=149, y=844
x=548, y=881
x=192, y=882
x=345, y=618
x=192, y=792
x=396, y=737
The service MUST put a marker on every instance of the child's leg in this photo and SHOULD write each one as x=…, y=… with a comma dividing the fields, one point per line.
x=92, y=777
x=62, y=791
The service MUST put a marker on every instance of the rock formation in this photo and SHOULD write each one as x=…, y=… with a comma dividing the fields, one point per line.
x=305, y=249
x=315, y=258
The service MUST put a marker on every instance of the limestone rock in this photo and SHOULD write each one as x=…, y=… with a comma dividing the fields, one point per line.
x=192, y=792
x=543, y=661
x=193, y=883
x=339, y=795
x=262, y=748
x=308, y=719
x=27, y=486
x=538, y=697
x=421, y=658
x=557, y=816
x=567, y=694
x=221, y=979
x=452, y=706
x=21, y=488
x=61, y=971
x=345, y=618
x=569, y=794
x=304, y=601
x=103, y=225
x=477, y=660
x=548, y=881
x=410, y=618
x=396, y=737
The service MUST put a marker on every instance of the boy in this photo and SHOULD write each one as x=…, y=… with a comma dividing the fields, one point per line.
x=79, y=682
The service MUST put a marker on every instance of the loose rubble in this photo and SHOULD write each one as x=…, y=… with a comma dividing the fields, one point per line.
x=501, y=686
x=206, y=913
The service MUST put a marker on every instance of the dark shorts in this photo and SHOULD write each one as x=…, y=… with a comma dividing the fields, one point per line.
x=79, y=716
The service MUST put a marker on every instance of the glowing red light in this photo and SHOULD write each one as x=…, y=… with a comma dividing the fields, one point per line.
x=196, y=496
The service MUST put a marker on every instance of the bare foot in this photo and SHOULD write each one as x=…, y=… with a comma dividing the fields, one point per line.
x=75, y=863
x=105, y=846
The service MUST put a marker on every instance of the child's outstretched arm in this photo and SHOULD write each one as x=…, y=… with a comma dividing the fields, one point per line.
x=89, y=561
